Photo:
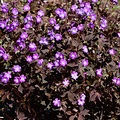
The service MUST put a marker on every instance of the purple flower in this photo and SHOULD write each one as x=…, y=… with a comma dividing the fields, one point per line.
x=85, y=49
x=61, y=13
x=80, y=1
x=99, y=72
x=5, y=56
x=38, y=19
x=57, y=102
x=80, y=102
x=74, y=7
x=74, y=30
x=26, y=7
x=15, y=23
x=16, y=80
x=40, y=61
x=58, y=37
x=40, y=13
x=91, y=25
x=57, y=55
x=118, y=35
x=16, y=68
x=32, y=47
x=103, y=24
x=22, y=45
x=93, y=16
x=57, y=27
x=22, y=78
x=29, y=59
x=112, y=51
x=82, y=97
x=50, y=65
x=80, y=27
x=56, y=63
x=85, y=62
x=94, y=1
x=115, y=1
x=73, y=55
x=63, y=62
x=28, y=18
x=35, y=56
x=4, y=79
x=4, y=7
x=116, y=80
x=80, y=11
x=74, y=75
x=27, y=26
x=119, y=65
x=66, y=82
x=52, y=21
x=14, y=11
x=43, y=40
x=7, y=75
x=29, y=1
x=24, y=35
x=2, y=24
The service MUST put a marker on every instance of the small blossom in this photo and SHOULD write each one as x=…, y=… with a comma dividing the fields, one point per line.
x=4, y=7
x=16, y=80
x=29, y=59
x=58, y=37
x=35, y=56
x=74, y=7
x=74, y=75
x=99, y=72
x=82, y=97
x=119, y=65
x=50, y=65
x=66, y=82
x=94, y=1
x=116, y=80
x=112, y=51
x=80, y=27
x=57, y=27
x=74, y=30
x=40, y=61
x=38, y=19
x=85, y=62
x=115, y=1
x=14, y=11
x=5, y=56
x=52, y=21
x=26, y=7
x=73, y=55
x=32, y=47
x=16, y=68
x=24, y=35
x=118, y=35
x=80, y=102
x=40, y=13
x=85, y=49
x=56, y=63
x=57, y=55
x=63, y=62
x=103, y=24
x=57, y=102
x=7, y=75
x=22, y=78
x=4, y=79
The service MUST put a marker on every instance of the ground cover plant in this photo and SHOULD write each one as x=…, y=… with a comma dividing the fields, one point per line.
x=59, y=60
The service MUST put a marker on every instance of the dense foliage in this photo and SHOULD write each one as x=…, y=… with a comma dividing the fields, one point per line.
x=60, y=60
